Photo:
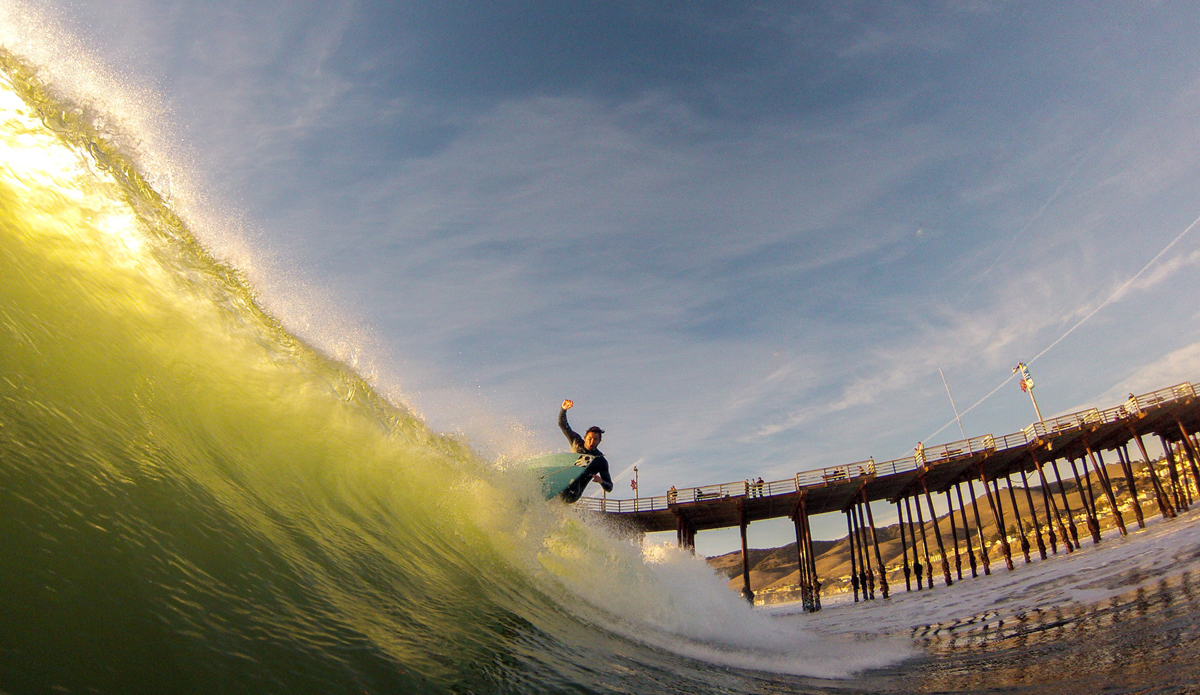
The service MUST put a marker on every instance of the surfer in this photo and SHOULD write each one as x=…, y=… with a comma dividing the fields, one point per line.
x=597, y=470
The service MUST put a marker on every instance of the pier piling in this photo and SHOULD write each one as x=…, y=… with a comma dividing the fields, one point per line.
x=983, y=548
x=853, y=555
x=814, y=580
x=865, y=577
x=1052, y=515
x=903, y=548
x=962, y=511
x=1164, y=504
x=954, y=535
x=746, y=592
x=865, y=544
x=1173, y=471
x=1012, y=495
x=998, y=516
x=810, y=586
x=1089, y=500
x=925, y=544
x=883, y=582
x=1102, y=474
x=1062, y=493
x=918, y=569
x=1127, y=469
x=1037, y=523
x=1190, y=451
x=937, y=534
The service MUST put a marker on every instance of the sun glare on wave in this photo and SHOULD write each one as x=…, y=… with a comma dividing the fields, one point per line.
x=54, y=178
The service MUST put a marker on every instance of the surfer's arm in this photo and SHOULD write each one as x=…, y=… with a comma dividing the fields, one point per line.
x=603, y=477
x=571, y=435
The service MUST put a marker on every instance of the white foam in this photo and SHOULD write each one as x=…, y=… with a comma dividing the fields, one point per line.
x=667, y=598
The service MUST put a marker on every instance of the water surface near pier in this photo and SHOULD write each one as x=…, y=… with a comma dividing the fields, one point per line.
x=1118, y=617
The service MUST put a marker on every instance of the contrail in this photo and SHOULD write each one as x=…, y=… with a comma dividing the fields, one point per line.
x=1112, y=297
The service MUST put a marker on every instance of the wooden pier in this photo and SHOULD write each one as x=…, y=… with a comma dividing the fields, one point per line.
x=1080, y=441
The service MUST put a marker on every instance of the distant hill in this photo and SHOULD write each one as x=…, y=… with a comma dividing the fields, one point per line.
x=782, y=561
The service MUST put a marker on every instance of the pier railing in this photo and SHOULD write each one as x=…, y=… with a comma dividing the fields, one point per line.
x=960, y=449
x=704, y=493
x=638, y=504
x=834, y=474
x=908, y=463
x=1064, y=423
x=1133, y=406
x=1177, y=392
x=775, y=487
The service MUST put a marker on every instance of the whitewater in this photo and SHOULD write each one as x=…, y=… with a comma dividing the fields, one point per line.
x=193, y=499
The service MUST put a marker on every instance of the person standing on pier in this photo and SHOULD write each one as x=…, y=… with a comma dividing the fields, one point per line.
x=597, y=470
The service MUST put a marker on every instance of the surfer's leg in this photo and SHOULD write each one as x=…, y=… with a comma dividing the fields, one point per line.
x=572, y=494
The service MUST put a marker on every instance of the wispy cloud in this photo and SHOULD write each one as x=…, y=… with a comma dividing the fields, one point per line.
x=1174, y=367
x=1160, y=273
x=742, y=237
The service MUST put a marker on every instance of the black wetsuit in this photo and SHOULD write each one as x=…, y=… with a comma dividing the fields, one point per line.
x=599, y=464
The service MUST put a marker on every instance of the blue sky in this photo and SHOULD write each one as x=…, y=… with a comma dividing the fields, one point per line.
x=743, y=237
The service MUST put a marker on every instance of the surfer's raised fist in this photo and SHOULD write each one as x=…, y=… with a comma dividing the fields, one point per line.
x=567, y=404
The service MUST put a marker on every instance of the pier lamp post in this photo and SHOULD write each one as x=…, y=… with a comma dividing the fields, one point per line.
x=635, y=487
x=1027, y=386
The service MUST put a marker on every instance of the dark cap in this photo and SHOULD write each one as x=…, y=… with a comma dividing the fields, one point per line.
x=595, y=429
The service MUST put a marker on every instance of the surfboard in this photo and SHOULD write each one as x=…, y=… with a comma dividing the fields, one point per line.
x=557, y=471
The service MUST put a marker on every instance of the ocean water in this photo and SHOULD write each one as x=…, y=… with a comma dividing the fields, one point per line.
x=192, y=499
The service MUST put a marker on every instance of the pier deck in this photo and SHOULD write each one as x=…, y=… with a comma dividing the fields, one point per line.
x=1171, y=413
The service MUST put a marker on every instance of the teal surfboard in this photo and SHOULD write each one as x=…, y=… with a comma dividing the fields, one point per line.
x=557, y=471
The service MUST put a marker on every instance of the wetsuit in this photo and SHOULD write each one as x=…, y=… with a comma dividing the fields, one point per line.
x=599, y=464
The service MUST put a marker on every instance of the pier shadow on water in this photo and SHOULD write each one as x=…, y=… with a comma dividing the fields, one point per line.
x=1143, y=641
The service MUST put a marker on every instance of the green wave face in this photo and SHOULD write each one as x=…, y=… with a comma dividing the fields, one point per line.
x=188, y=490
x=193, y=500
